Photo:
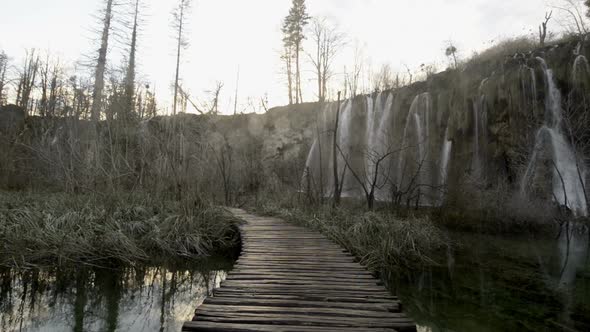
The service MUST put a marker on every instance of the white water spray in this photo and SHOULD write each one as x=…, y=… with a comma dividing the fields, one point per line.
x=567, y=186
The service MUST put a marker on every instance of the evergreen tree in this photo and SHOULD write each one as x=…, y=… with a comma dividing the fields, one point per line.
x=293, y=30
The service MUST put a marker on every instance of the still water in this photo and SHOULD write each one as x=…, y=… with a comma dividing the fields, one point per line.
x=494, y=283
x=485, y=283
x=154, y=298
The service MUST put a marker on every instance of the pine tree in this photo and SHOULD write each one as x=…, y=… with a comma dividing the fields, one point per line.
x=293, y=30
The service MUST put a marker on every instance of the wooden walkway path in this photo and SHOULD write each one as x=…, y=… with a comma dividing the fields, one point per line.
x=289, y=278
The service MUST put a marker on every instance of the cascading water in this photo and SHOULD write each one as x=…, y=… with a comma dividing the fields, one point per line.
x=479, y=128
x=379, y=137
x=417, y=120
x=581, y=63
x=567, y=186
x=444, y=163
x=413, y=153
x=345, y=144
x=372, y=110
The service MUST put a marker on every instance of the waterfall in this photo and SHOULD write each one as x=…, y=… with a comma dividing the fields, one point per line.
x=372, y=109
x=418, y=116
x=308, y=173
x=378, y=136
x=444, y=162
x=479, y=128
x=567, y=185
x=533, y=87
x=320, y=153
x=344, y=142
x=580, y=60
x=476, y=131
x=375, y=138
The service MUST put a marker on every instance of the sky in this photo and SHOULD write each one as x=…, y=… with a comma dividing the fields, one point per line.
x=227, y=34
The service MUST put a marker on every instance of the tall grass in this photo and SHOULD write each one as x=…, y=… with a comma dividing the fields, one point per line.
x=382, y=241
x=48, y=229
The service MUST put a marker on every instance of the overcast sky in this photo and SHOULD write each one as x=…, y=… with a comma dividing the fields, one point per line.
x=225, y=34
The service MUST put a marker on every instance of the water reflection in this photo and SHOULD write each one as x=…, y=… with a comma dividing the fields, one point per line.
x=128, y=299
x=493, y=283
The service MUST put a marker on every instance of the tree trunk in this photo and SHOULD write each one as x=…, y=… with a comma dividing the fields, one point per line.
x=288, y=63
x=371, y=201
x=3, y=67
x=178, y=50
x=97, y=94
x=298, y=98
x=130, y=77
x=337, y=191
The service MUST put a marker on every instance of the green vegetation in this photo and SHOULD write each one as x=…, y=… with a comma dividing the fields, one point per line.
x=49, y=229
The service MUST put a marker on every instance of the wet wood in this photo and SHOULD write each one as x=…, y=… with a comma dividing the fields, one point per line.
x=290, y=278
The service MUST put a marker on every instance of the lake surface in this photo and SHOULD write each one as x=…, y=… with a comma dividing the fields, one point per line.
x=495, y=283
x=485, y=283
x=152, y=298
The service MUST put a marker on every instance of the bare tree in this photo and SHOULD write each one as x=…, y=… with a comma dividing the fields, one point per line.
x=337, y=184
x=327, y=42
x=97, y=93
x=27, y=79
x=3, y=79
x=129, y=99
x=236, y=95
x=573, y=21
x=224, y=161
x=178, y=24
x=383, y=79
x=214, y=109
x=373, y=179
x=410, y=75
x=264, y=102
x=353, y=78
x=543, y=28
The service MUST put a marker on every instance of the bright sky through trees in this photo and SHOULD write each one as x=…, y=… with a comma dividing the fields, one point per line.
x=225, y=34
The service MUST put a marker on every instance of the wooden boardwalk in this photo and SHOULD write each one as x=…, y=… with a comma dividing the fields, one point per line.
x=289, y=278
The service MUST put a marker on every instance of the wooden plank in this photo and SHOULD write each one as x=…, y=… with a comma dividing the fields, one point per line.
x=304, y=297
x=318, y=294
x=294, y=270
x=231, y=327
x=300, y=310
x=294, y=285
x=313, y=274
x=306, y=279
x=393, y=306
x=317, y=320
x=290, y=278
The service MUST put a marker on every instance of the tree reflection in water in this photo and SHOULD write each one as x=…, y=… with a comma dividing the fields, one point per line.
x=92, y=299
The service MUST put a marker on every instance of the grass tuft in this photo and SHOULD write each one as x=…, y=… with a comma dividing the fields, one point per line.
x=47, y=229
x=383, y=242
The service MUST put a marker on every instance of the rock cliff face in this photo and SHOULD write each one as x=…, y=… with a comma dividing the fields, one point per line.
x=522, y=120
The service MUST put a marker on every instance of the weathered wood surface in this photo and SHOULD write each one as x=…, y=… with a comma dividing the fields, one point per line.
x=289, y=278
